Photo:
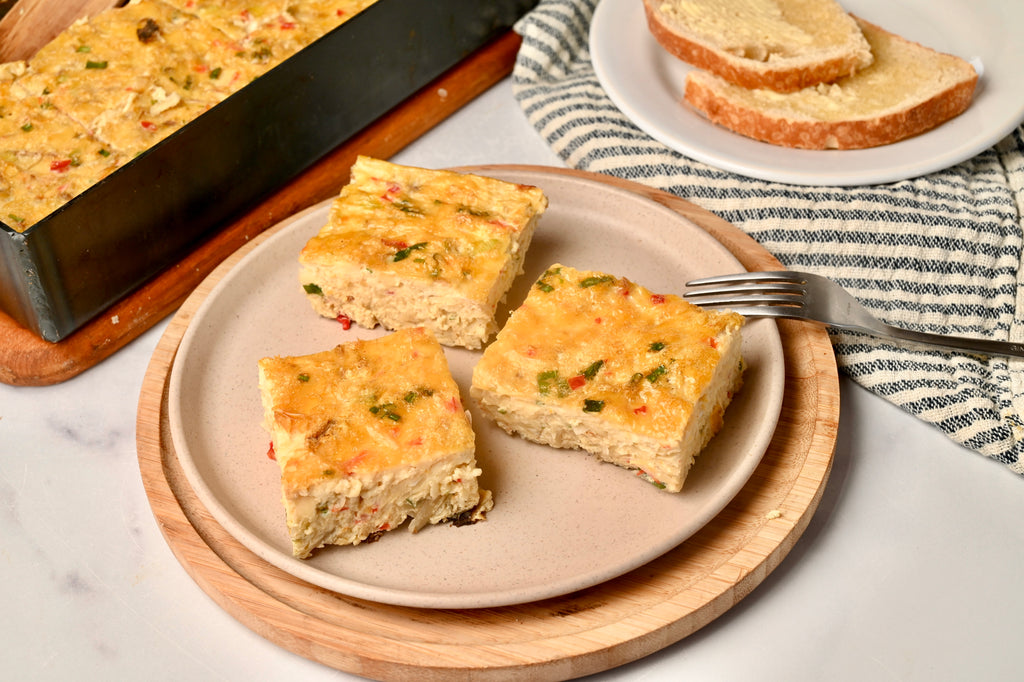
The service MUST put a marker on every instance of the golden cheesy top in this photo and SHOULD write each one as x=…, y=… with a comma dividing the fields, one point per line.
x=273, y=30
x=128, y=77
x=435, y=225
x=45, y=160
x=362, y=408
x=133, y=76
x=606, y=346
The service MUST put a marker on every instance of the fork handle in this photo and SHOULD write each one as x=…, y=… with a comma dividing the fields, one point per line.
x=980, y=346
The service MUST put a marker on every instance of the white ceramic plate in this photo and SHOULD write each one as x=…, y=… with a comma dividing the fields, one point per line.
x=562, y=521
x=647, y=85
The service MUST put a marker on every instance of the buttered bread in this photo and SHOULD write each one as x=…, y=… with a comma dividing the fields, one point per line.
x=597, y=362
x=369, y=435
x=779, y=45
x=907, y=90
x=406, y=247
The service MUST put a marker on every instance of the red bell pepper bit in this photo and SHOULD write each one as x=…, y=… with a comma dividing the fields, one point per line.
x=640, y=410
x=501, y=223
x=394, y=243
x=345, y=320
x=711, y=341
x=148, y=125
x=352, y=461
x=60, y=166
x=270, y=452
x=576, y=382
x=657, y=298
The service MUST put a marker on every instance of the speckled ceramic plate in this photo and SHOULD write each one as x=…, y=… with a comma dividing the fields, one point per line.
x=562, y=521
x=647, y=84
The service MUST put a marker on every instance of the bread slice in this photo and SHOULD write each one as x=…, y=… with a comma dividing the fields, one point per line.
x=596, y=362
x=407, y=247
x=908, y=90
x=781, y=45
x=367, y=435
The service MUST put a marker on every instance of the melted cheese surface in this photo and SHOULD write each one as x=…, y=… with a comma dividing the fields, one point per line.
x=606, y=346
x=114, y=74
x=432, y=225
x=45, y=160
x=273, y=30
x=363, y=407
x=130, y=76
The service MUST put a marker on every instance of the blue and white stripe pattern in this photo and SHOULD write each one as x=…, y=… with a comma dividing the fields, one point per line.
x=940, y=253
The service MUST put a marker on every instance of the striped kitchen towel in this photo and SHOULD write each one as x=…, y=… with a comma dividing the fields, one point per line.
x=940, y=253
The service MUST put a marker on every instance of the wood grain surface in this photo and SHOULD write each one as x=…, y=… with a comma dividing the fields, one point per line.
x=561, y=638
x=26, y=359
x=30, y=24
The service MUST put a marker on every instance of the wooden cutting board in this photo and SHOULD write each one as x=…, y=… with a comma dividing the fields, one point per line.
x=566, y=637
x=28, y=360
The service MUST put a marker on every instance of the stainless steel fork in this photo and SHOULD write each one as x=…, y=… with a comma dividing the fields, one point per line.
x=804, y=296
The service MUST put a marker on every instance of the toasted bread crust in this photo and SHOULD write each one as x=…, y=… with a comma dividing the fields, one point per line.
x=854, y=134
x=749, y=73
x=884, y=127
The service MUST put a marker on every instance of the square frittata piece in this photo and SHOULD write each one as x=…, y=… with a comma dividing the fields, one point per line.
x=273, y=30
x=133, y=75
x=599, y=363
x=46, y=159
x=368, y=435
x=406, y=247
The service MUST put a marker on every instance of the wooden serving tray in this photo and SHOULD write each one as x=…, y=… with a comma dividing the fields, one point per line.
x=578, y=634
x=28, y=360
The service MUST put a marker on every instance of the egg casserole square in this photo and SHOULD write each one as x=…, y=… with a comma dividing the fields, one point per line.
x=368, y=435
x=407, y=247
x=114, y=74
x=596, y=362
x=45, y=159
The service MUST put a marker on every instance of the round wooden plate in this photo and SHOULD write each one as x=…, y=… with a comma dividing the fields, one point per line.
x=570, y=636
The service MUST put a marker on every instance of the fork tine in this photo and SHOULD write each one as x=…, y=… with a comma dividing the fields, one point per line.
x=729, y=298
x=786, y=311
x=744, y=287
x=776, y=293
x=787, y=294
x=763, y=276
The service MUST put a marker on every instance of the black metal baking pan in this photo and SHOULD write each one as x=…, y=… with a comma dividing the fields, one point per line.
x=66, y=269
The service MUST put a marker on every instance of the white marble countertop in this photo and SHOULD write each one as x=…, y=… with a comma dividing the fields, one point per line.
x=910, y=570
